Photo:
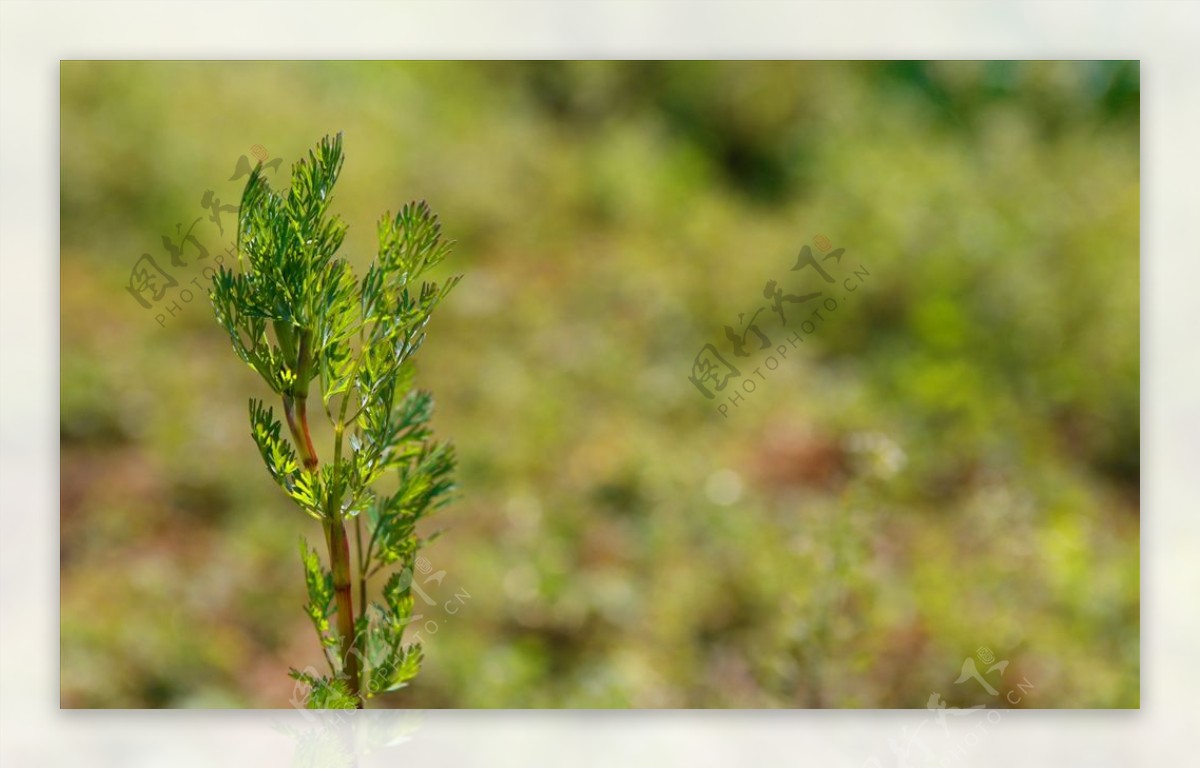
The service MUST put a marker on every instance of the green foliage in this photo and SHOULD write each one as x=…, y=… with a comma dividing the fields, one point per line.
x=326, y=693
x=614, y=216
x=398, y=663
x=319, y=582
x=295, y=313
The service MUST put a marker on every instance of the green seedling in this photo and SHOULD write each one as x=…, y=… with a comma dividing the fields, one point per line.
x=299, y=317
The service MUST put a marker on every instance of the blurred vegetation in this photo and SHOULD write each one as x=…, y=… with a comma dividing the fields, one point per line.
x=949, y=462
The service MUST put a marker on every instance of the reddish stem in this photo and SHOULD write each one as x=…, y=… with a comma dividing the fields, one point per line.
x=296, y=412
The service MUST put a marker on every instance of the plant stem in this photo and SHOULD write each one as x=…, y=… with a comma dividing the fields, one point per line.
x=362, y=565
x=295, y=410
x=339, y=560
x=295, y=404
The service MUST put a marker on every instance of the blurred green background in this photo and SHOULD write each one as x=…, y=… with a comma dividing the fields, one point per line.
x=945, y=468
